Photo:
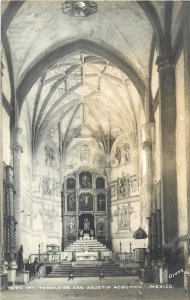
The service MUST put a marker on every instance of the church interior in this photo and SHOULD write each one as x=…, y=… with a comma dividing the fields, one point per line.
x=95, y=140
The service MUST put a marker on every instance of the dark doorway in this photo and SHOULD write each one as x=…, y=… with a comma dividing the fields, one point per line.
x=48, y=270
x=86, y=222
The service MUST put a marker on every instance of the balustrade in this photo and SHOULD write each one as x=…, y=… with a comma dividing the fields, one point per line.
x=45, y=257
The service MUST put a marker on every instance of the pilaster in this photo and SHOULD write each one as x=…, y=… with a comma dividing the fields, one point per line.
x=186, y=43
x=17, y=150
x=1, y=190
x=147, y=170
x=166, y=73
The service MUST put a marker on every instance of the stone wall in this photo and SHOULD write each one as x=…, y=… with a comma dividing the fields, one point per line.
x=46, y=189
x=125, y=194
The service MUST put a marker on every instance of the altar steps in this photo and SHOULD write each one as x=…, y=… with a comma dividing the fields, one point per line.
x=110, y=269
x=85, y=249
x=81, y=245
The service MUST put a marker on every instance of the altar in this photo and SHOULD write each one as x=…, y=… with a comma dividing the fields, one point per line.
x=85, y=207
x=86, y=255
x=86, y=249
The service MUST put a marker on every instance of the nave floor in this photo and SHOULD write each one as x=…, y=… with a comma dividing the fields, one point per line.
x=109, y=288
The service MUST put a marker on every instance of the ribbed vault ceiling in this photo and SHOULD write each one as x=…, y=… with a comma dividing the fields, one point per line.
x=83, y=94
x=88, y=97
x=40, y=26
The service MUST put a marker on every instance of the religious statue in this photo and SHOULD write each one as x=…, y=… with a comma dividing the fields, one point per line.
x=86, y=224
x=101, y=205
x=20, y=262
x=91, y=233
x=81, y=233
x=71, y=203
x=71, y=227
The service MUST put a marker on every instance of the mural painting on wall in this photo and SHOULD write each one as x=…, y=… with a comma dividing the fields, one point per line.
x=101, y=202
x=100, y=183
x=48, y=186
x=71, y=202
x=48, y=216
x=85, y=180
x=121, y=154
x=85, y=154
x=125, y=186
x=127, y=154
x=86, y=202
x=49, y=156
x=70, y=183
x=118, y=155
x=98, y=159
x=123, y=214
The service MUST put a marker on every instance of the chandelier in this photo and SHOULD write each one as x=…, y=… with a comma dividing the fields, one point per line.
x=79, y=8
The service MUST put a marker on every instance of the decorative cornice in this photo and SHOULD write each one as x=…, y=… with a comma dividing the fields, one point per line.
x=165, y=63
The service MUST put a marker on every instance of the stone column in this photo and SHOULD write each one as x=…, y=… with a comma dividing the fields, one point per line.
x=147, y=172
x=95, y=216
x=159, y=233
x=154, y=235
x=186, y=43
x=149, y=246
x=17, y=150
x=168, y=148
x=1, y=189
x=108, y=198
x=62, y=216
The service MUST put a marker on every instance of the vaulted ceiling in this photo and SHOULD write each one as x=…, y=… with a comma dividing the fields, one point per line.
x=87, y=96
x=40, y=26
x=85, y=90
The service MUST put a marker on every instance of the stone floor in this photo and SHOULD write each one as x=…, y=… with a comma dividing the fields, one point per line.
x=92, y=289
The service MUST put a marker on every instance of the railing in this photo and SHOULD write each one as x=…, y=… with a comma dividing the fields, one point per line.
x=56, y=257
x=126, y=256
x=45, y=257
